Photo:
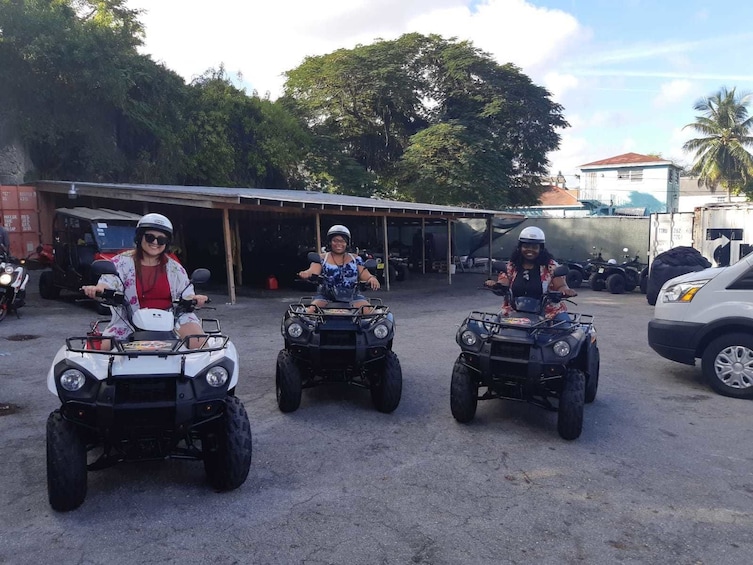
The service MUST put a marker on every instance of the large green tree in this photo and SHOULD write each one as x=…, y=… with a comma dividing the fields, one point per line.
x=429, y=119
x=721, y=155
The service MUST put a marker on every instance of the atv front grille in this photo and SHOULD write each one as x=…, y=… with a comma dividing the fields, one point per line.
x=338, y=339
x=510, y=350
x=144, y=391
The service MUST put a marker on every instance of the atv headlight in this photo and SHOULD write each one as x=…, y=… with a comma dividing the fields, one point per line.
x=5, y=278
x=72, y=380
x=561, y=349
x=217, y=376
x=381, y=331
x=9, y=269
x=295, y=329
x=469, y=338
x=682, y=292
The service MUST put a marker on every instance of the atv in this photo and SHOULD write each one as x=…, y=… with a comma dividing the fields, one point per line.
x=147, y=397
x=338, y=344
x=620, y=278
x=524, y=356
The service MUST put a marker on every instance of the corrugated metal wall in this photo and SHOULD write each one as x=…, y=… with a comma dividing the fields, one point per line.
x=20, y=216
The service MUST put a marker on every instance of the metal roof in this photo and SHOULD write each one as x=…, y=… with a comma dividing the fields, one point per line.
x=99, y=214
x=220, y=197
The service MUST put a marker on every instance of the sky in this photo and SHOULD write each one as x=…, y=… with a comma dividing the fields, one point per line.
x=627, y=72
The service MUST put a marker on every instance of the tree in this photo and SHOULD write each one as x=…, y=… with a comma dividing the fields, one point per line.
x=721, y=157
x=430, y=119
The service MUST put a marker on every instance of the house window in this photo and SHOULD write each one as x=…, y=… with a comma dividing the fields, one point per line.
x=623, y=174
x=636, y=176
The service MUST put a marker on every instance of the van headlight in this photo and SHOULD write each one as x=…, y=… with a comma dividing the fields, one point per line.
x=217, y=376
x=682, y=292
x=381, y=331
x=561, y=348
x=72, y=380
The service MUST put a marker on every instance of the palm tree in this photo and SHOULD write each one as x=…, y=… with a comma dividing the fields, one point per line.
x=721, y=157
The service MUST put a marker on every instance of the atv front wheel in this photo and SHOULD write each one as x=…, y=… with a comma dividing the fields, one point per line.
x=387, y=388
x=228, y=447
x=66, y=464
x=463, y=393
x=570, y=411
x=288, y=382
x=592, y=379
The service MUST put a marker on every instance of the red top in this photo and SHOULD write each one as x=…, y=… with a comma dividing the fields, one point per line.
x=153, y=288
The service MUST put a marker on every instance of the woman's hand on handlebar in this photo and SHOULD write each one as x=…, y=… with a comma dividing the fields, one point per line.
x=198, y=299
x=91, y=291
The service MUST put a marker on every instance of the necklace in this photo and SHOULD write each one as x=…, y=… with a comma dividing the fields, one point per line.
x=342, y=264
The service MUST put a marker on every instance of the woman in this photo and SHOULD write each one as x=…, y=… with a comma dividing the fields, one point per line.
x=340, y=269
x=150, y=279
x=530, y=273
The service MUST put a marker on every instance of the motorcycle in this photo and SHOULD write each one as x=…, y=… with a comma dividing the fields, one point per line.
x=13, y=280
x=149, y=396
x=527, y=357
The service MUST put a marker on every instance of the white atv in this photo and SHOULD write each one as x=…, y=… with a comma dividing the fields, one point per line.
x=146, y=397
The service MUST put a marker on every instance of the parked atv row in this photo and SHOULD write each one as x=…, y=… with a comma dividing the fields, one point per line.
x=600, y=274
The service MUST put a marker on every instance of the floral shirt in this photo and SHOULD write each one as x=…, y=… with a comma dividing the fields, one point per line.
x=124, y=263
x=551, y=309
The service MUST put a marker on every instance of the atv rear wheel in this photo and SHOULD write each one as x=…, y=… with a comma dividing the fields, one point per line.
x=596, y=282
x=592, y=379
x=574, y=278
x=47, y=288
x=387, y=388
x=227, y=449
x=463, y=393
x=616, y=283
x=288, y=382
x=66, y=464
x=570, y=410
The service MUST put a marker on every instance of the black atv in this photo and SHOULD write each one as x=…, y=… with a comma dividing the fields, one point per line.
x=620, y=278
x=338, y=344
x=580, y=271
x=552, y=364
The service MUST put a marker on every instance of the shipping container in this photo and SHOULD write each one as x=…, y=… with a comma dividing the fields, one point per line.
x=19, y=214
x=723, y=233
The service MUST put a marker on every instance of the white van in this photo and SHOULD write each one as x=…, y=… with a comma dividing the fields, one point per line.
x=708, y=315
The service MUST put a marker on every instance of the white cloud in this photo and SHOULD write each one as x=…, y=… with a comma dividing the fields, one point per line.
x=672, y=92
x=559, y=84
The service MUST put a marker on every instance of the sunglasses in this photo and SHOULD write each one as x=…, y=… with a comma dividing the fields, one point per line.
x=160, y=239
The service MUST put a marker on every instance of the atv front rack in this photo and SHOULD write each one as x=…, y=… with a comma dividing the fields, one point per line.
x=376, y=307
x=152, y=347
x=493, y=323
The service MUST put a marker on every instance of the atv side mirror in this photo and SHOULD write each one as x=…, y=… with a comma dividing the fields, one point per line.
x=103, y=267
x=370, y=264
x=314, y=257
x=200, y=276
x=561, y=271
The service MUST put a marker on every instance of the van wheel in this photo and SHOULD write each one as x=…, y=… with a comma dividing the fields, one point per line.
x=616, y=283
x=47, y=288
x=727, y=365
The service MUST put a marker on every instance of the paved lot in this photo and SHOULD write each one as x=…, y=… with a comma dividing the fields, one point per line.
x=661, y=474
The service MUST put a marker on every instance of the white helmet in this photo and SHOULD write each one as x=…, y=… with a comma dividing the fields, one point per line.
x=338, y=230
x=531, y=234
x=155, y=222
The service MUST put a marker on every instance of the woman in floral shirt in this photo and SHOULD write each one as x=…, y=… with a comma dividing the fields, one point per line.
x=530, y=273
x=149, y=278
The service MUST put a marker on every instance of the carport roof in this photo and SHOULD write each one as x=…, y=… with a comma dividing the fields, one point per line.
x=222, y=197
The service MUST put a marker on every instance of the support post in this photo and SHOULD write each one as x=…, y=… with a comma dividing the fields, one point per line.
x=228, y=254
